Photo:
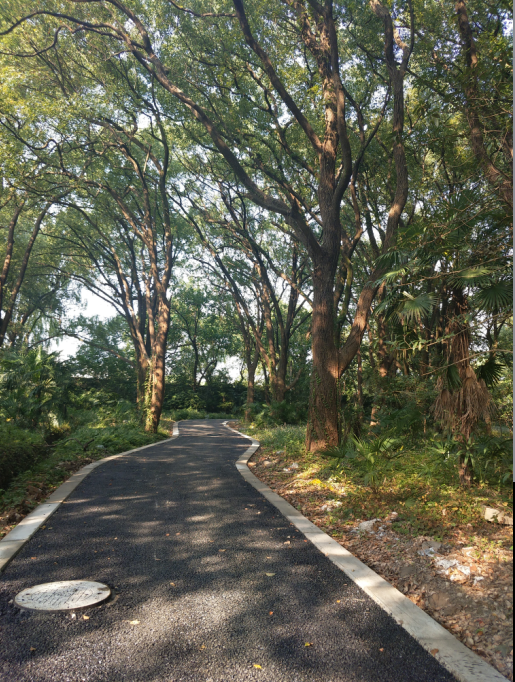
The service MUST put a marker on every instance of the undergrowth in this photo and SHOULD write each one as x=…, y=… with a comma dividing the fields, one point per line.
x=375, y=476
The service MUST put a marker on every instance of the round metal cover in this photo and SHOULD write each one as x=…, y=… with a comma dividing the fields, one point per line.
x=67, y=595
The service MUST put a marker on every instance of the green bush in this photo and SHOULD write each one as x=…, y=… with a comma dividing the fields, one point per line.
x=186, y=413
x=279, y=413
x=34, y=389
x=19, y=450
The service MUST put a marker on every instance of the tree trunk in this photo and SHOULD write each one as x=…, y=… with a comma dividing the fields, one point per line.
x=141, y=378
x=323, y=420
x=252, y=364
x=466, y=472
x=157, y=369
x=360, y=380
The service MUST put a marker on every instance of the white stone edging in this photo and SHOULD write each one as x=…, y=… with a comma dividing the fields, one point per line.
x=458, y=659
x=14, y=541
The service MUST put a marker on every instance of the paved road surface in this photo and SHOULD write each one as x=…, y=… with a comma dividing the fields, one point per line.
x=180, y=513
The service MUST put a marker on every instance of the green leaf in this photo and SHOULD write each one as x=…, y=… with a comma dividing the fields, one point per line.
x=497, y=296
x=474, y=276
x=453, y=378
x=491, y=372
x=414, y=308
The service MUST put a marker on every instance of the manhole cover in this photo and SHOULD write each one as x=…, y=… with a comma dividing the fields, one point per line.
x=67, y=595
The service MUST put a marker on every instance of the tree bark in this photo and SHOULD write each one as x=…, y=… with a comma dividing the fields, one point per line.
x=323, y=417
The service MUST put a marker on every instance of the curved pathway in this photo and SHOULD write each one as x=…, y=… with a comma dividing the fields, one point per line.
x=210, y=581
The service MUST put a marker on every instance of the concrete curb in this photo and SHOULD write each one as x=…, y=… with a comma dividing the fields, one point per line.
x=14, y=541
x=463, y=663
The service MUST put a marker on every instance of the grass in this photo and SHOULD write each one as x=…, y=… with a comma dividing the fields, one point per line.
x=420, y=484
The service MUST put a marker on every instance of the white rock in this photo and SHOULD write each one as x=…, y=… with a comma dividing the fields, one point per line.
x=279, y=452
x=429, y=551
x=368, y=526
x=295, y=466
x=447, y=564
x=494, y=515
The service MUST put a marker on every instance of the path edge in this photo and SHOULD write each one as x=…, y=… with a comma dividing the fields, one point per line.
x=14, y=541
x=458, y=659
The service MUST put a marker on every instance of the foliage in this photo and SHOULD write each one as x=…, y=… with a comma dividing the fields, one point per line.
x=19, y=449
x=34, y=389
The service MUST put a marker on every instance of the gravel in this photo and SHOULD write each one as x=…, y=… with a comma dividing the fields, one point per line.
x=186, y=545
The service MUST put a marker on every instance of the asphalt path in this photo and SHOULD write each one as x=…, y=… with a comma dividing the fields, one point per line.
x=187, y=546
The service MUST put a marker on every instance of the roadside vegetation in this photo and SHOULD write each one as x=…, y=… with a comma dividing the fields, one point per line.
x=52, y=424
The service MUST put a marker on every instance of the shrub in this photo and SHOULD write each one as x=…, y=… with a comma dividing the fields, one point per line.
x=19, y=450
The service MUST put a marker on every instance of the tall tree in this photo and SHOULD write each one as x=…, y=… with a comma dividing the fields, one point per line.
x=321, y=151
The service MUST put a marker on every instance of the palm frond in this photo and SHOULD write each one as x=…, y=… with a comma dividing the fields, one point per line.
x=392, y=259
x=491, y=372
x=477, y=275
x=415, y=307
x=453, y=378
x=496, y=296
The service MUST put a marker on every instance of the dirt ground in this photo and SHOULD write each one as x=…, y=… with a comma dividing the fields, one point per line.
x=467, y=588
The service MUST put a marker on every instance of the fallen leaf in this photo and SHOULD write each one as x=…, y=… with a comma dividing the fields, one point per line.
x=134, y=622
x=172, y=584
x=308, y=644
x=258, y=667
x=177, y=533
x=339, y=601
x=33, y=648
x=434, y=652
x=222, y=550
x=270, y=575
x=85, y=617
x=271, y=613
x=168, y=535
